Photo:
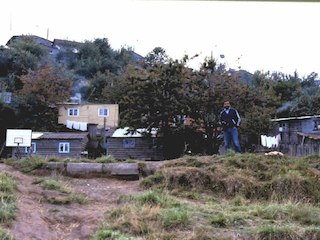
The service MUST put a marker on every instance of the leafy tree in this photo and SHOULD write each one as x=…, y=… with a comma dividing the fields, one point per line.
x=23, y=55
x=157, y=55
x=42, y=89
x=7, y=120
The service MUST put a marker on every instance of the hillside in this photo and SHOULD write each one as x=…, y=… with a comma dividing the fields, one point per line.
x=212, y=197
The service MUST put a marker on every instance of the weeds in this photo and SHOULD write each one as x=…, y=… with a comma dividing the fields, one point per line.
x=4, y=235
x=27, y=164
x=65, y=194
x=8, y=207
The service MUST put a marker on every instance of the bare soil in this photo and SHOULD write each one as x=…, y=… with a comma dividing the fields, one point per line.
x=38, y=219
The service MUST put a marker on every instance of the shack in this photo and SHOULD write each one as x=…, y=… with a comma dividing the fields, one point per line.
x=60, y=145
x=300, y=136
x=123, y=145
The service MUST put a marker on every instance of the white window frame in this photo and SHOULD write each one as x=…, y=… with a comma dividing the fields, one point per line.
x=31, y=149
x=103, y=114
x=73, y=112
x=64, y=147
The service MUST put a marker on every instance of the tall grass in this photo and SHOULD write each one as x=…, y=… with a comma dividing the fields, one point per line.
x=4, y=235
x=249, y=195
x=27, y=164
x=8, y=206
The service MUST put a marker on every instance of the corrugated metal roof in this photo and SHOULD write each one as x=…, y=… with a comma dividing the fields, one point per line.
x=124, y=133
x=63, y=135
x=314, y=136
x=295, y=118
x=36, y=135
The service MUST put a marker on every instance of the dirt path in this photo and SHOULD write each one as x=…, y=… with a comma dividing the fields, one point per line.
x=38, y=219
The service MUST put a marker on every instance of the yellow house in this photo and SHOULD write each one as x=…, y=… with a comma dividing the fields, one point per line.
x=77, y=116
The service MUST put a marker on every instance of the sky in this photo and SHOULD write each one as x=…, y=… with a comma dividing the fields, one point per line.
x=264, y=36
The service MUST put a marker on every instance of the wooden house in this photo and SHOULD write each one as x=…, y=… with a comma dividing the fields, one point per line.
x=77, y=115
x=60, y=145
x=123, y=145
x=300, y=136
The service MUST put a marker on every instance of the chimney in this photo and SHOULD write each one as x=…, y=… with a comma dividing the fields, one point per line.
x=92, y=129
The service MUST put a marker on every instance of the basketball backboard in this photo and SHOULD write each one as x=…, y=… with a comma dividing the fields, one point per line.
x=18, y=137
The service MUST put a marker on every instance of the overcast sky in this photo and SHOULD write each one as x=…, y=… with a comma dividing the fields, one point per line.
x=275, y=36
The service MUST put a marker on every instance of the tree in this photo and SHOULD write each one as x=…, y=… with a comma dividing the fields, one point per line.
x=157, y=55
x=42, y=90
x=21, y=56
x=7, y=120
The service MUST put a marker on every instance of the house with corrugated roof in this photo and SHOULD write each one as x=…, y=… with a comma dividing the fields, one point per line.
x=50, y=144
x=124, y=144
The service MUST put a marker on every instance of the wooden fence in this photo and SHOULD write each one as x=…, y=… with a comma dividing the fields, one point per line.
x=300, y=149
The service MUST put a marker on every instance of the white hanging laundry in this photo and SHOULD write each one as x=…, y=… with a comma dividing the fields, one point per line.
x=278, y=139
x=83, y=126
x=69, y=124
x=76, y=125
x=264, y=140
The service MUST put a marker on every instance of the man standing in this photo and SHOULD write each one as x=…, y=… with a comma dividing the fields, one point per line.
x=230, y=120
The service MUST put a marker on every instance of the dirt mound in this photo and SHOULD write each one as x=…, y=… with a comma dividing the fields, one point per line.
x=38, y=218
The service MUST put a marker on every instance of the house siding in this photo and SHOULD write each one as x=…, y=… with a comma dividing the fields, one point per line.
x=292, y=143
x=143, y=149
x=88, y=113
x=50, y=148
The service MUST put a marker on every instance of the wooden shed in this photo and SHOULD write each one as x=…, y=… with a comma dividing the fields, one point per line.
x=60, y=145
x=123, y=145
x=300, y=136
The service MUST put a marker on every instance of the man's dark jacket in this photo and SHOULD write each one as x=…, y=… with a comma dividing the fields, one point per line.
x=231, y=119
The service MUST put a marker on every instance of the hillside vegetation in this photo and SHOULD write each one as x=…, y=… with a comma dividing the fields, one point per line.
x=222, y=197
x=235, y=196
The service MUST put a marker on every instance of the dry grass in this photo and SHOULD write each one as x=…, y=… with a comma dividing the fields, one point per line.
x=244, y=196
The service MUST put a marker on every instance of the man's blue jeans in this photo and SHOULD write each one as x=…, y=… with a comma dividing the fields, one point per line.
x=231, y=134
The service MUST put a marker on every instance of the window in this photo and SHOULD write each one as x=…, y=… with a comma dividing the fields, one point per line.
x=282, y=127
x=64, y=147
x=316, y=125
x=73, y=111
x=103, y=112
x=31, y=149
x=7, y=97
x=129, y=143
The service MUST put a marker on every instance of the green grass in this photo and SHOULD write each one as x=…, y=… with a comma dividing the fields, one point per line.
x=103, y=234
x=27, y=164
x=8, y=208
x=51, y=184
x=67, y=195
x=4, y=235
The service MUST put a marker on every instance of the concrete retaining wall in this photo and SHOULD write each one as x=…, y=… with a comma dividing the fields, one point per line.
x=119, y=170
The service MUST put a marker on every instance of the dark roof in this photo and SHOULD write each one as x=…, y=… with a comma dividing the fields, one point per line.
x=110, y=132
x=295, y=118
x=64, y=135
x=66, y=43
x=36, y=39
